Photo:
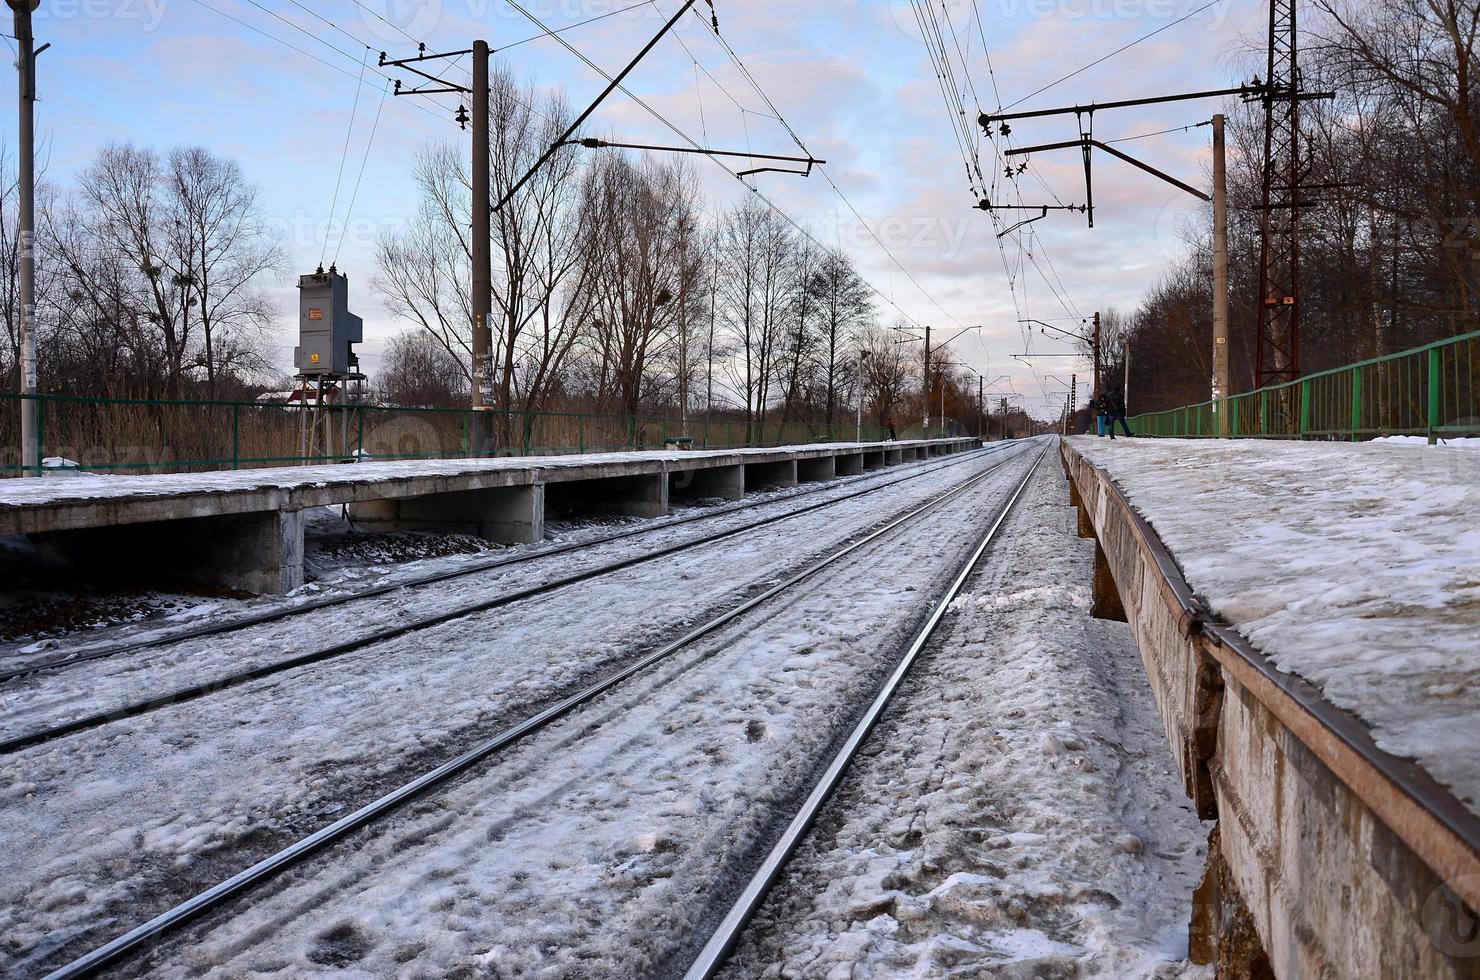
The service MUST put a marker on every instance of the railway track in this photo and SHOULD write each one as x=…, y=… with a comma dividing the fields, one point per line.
x=149, y=933
x=94, y=719
x=712, y=957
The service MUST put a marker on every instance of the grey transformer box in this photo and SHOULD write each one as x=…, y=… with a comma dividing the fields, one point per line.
x=326, y=327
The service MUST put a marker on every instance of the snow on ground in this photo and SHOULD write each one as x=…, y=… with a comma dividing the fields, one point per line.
x=106, y=828
x=1356, y=566
x=598, y=846
x=1015, y=813
x=1458, y=442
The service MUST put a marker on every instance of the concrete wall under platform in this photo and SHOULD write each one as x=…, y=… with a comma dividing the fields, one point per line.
x=506, y=515
x=707, y=483
x=638, y=495
x=778, y=474
x=817, y=469
x=1330, y=857
x=244, y=529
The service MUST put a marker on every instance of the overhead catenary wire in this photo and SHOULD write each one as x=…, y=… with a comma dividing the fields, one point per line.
x=309, y=54
x=1124, y=47
x=344, y=155
x=354, y=195
x=681, y=134
x=867, y=226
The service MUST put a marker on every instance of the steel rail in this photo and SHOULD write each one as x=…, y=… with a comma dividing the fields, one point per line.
x=434, y=578
x=182, y=695
x=147, y=933
x=714, y=954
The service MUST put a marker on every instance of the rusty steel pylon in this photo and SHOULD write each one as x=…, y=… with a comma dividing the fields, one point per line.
x=1279, y=251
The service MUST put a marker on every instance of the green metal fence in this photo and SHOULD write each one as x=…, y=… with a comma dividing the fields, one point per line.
x=140, y=436
x=1431, y=391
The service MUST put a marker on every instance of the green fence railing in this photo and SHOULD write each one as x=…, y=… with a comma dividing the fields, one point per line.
x=142, y=436
x=1431, y=391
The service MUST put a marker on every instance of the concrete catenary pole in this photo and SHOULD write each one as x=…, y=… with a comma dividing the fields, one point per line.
x=1220, y=278
x=1125, y=390
x=1099, y=391
x=926, y=386
x=482, y=271
x=981, y=407
x=26, y=233
x=858, y=421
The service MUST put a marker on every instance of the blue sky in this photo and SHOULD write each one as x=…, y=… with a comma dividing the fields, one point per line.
x=850, y=76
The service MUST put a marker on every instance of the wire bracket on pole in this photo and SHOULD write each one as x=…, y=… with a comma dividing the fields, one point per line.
x=591, y=143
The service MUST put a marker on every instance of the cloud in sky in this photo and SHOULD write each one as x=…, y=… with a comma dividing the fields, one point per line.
x=850, y=76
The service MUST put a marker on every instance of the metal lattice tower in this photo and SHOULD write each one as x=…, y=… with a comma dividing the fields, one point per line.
x=1279, y=258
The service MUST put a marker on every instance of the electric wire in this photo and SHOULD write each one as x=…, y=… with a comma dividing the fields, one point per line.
x=1124, y=47
x=343, y=156
x=349, y=211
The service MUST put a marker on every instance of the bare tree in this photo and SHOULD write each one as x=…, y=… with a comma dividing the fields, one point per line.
x=756, y=250
x=225, y=256
x=844, y=307
x=647, y=270
x=419, y=372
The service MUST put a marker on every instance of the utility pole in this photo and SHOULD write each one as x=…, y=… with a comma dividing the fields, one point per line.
x=1221, y=386
x=1125, y=391
x=482, y=249
x=26, y=194
x=480, y=276
x=1099, y=392
x=1073, y=397
x=926, y=433
x=858, y=431
x=981, y=407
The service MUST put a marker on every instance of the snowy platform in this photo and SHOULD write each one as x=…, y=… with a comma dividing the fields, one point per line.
x=1309, y=614
x=244, y=528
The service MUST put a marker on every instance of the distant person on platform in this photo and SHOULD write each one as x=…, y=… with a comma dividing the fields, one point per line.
x=890, y=423
x=1097, y=414
x=1115, y=412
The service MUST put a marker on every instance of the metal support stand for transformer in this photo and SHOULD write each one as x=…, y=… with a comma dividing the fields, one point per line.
x=26, y=237
x=480, y=438
x=1220, y=278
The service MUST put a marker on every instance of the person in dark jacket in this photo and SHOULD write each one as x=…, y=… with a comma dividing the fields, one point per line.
x=892, y=436
x=1097, y=415
x=1115, y=409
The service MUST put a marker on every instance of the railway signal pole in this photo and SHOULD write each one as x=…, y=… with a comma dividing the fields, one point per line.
x=26, y=233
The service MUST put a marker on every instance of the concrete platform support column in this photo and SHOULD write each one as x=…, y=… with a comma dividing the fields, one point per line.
x=638, y=495
x=260, y=552
x=724, y=482
x=506, y=515
x=817, y=469
x=1106, y=603
x=849, y=464
x=875, y=460
x=893, y=457
x=766, y=476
